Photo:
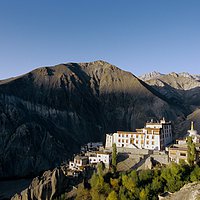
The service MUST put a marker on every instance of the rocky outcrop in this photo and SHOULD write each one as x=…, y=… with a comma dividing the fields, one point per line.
x=47, y=114
x=151, y=75
x=47, y=187
x=190, y=191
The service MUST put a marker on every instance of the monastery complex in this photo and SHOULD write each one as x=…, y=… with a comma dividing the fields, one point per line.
x=154, y=142
x=154, y=136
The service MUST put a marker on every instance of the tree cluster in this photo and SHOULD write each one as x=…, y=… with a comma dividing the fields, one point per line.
x=138, y=185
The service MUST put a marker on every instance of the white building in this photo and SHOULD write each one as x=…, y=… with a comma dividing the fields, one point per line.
x=98, y=157
x=155, y=135
x=79, y=163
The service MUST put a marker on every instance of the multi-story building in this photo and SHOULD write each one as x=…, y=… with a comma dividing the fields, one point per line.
x=79, y=163
x=97, y=157
x=155, y=135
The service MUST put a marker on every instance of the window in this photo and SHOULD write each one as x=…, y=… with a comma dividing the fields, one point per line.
x=152, y=136
x=182, y=154
x=147, y=142
x=123, y=140
x=119, y=140
x=126, y=135
x=142, y=141
x=126, y=141
x=136, y=141
x=136, y=136
x=152, y=142
x=147, y=136
x=119, y=135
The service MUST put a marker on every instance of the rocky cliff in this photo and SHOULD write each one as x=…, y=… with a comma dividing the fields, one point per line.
x=47, y=187
x=190, y=191
x=45, y=115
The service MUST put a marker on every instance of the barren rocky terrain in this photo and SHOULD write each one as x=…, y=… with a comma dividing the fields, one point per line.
x=46, y=114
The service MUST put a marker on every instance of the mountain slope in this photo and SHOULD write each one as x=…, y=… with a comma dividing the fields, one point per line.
x=182, y=88
x=47, y=114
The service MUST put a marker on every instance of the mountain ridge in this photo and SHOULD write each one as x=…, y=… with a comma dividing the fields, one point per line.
x=48, y=113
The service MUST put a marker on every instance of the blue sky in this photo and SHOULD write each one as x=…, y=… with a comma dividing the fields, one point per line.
x=136, y=35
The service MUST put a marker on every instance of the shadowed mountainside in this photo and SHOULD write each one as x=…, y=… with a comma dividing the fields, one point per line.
x=45, y=115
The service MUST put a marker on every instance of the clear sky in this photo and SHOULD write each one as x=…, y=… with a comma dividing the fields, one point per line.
x=136, y=35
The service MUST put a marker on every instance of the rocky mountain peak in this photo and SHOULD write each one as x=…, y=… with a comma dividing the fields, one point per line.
x=150, y=75
x=48, y=113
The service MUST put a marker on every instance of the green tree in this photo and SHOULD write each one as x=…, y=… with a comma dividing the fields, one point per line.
x=172, y=176
x=144, y=194
x=145, y=176
x=122, y=193
x=82, y=193
x=100, y=168
x=112, y=196
x=114, y=183
x=195, y=174
x=97, y=182
x=156, y=185
x=129, y=183
x=114, y=157
x=191, y=151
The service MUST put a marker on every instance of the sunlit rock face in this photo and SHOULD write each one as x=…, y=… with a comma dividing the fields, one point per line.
x=182, y=88
x=47, y=114
x=47, y=187
x=190, y=191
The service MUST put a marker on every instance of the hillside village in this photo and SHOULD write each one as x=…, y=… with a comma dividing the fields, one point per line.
x=141, y=149
x=137, y=154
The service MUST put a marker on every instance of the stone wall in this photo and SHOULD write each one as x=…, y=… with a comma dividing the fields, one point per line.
x=134, y=151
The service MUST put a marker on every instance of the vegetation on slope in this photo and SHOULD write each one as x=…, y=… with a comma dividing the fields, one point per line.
x=143, y=185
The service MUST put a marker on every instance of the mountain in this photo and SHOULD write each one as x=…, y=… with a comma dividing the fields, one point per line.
x=46, y=114
x=155, y=74
x=182, y=88
x=150, y=75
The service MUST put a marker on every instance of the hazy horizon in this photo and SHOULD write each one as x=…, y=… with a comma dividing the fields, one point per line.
x=136, y=36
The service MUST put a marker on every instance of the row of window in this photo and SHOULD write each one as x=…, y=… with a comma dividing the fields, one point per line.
x=136, y=141
x=123, y=141
x=95, y=160
x=122, y=135
x=149, y=137
x=174, y=153
x=137, y=136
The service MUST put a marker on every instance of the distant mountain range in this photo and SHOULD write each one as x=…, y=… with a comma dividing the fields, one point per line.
x=183, y=88
x=154, y=74
x=46, y=114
